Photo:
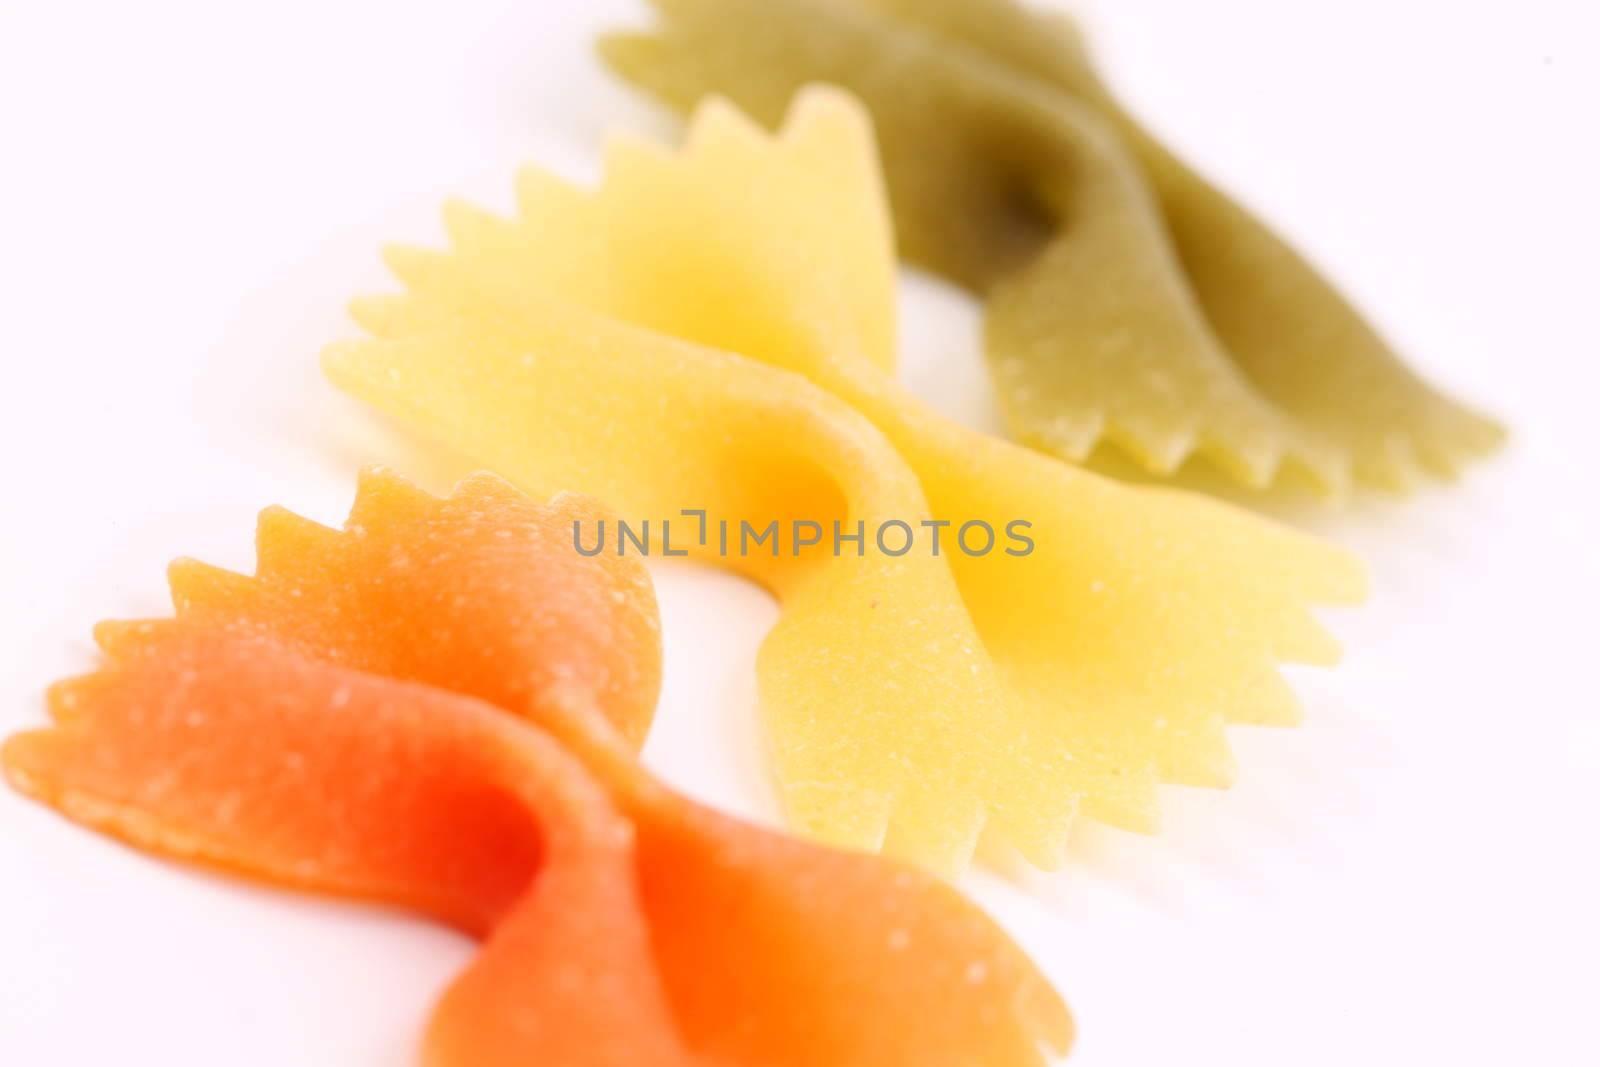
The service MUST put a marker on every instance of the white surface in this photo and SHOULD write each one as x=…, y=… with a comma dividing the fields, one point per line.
x=191, y=192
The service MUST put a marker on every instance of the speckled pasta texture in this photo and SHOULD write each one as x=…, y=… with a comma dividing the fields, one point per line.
x=714, y=328
x=1129, y=302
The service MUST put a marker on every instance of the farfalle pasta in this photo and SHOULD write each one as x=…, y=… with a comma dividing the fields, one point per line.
x=909, y=700
x=1128, y=300
x=436, y=707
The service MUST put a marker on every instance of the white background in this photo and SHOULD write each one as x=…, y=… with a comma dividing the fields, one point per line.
x=190, y=192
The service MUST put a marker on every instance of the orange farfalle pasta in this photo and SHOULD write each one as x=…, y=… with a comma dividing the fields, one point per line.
x=911, y=701
x=437, y=708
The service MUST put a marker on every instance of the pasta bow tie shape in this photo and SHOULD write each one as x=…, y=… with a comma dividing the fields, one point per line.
x=1127, y=299
x=436, y=707
x=714, y=329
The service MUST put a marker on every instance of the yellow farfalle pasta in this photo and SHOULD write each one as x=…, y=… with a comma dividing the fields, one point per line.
x=908, y=700
x=1166, y=321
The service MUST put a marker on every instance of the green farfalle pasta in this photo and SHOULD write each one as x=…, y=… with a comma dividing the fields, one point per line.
x=1128, y=300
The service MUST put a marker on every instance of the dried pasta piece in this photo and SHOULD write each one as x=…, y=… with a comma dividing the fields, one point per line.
x=588, y=340
x=1166, y=322
x=423, y=709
